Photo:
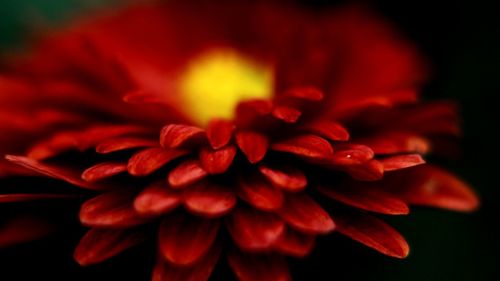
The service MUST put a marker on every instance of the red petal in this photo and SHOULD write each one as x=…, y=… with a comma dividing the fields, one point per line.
x=200, y=271
x=99, y=245
x=372, y=232
x=112, y=209
x=309, y=146
x=122, y=143
x=303, y=213
x=188, y=172
x=288, y=178
x=294, y=243
x=306, y=93
x=174, y=135
x=287, y=114
x=217, y=161
x=253, y=145
x=260, y=194
x=209, y=200
x=351, y=154
x=157, y=199
x=401, y=162
x=254, y=230
x=247, y=112
x=219, y=132
x=23, y=229
x=366, y=197
x=20, y=197
x=251, y=267
x=103, y=171
x=432, y=186
x=372, y=170
x=184, y=240
x=328, y=129
x=149, y=160
x=59, y=173
x=397, y=142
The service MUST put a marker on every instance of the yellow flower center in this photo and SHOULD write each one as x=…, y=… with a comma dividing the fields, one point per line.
x=215, y=82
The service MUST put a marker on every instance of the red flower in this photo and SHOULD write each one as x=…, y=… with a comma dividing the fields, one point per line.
x=206, y=119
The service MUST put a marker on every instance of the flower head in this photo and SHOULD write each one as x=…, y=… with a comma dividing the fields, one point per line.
x=243, y=131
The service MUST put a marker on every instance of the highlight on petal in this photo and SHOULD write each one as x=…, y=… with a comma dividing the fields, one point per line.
x=285, y=177
x=176, y=135
x=254, y=230
x=351, y=154
x=149, y=160
x=262, y=267
x=286, y=114
x=295, y=243
x=23, y=229
x=59, y=173
x=254, y=145
x=200, y=271
x=367, y=197
x=123, y=143
x=217, y=161
x=185, y=240
x=373, y=233
x=308, y=146
x=103, y=170
x=112, y=209
x=209, y=200
x=219, y=132
x=397, y=142
x=188, y=172
x=259, y=193
x=401, y=162
x=302, y=213
x=98, y=245
x=328, y=129
x=157, y=199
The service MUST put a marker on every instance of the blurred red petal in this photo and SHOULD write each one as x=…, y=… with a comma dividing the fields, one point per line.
x=254, y=230
x=302, y=213
x=373, y=233
x=287, y=114
x=23, y=229
x=351, y=154
x=253, y=145
x=252, y=267
x=157, y=199
x=219, y=132
x=401, y=162
x=217, y=161
x=103, y=170
x=259, y=193
x=123, y=143
x=98, y=245
x=295, y=244
x=285, y=177
x=149, y=160
x=26, y=197
x=305, y=93
x=174, y=135
x=397, y=142
x=308, y=146
x=328, y=129
x=185, y=240
x=188, y=172
x=209, y=200
x=372, y=170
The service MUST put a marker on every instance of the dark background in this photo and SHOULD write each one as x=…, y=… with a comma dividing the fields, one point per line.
x=461, y=40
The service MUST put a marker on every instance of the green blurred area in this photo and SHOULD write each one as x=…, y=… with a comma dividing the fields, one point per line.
x=462, y=40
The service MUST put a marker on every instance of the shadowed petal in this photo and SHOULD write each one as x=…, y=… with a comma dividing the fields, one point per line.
x=219, y=132
x=23, y=229
x=26, y=197
x=259, y=193
x=209, y=200
x=308, y=146
x=157, y=199
x=397, y=142
x=372, y=170
x=294, y=243
x=328, y=129
x=149, y=160
x=252, y=267
x=253, y=145
x=287, y=114
x=302, y=213
x=174, y=135
x=123, y=143
x=285, y=177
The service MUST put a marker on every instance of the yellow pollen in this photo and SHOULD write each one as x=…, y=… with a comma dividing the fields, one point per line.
x=214, y=83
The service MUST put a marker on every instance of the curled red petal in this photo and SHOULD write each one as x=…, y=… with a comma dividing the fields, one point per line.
x=209, y=200
x=285, y=177
x=308, y=146
x=98, y=245
x=188, y=172
x=286, y=113
x=294, y=243
x=366, y=197
x=328, y=129
x=259, y=193
x=149, y=160
x=111, y=209
x=52, y=171
x=157, y=199
x=254, y=145
x=200, y=271
x=175, y=135
x=103, y=170
x=217, y=161
x=373, y=233
x=254, y=230
x=122, y=143
x=219, y=132
x=401, y=162
x=185, y=240
x=302, y=213
x=251, y=267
